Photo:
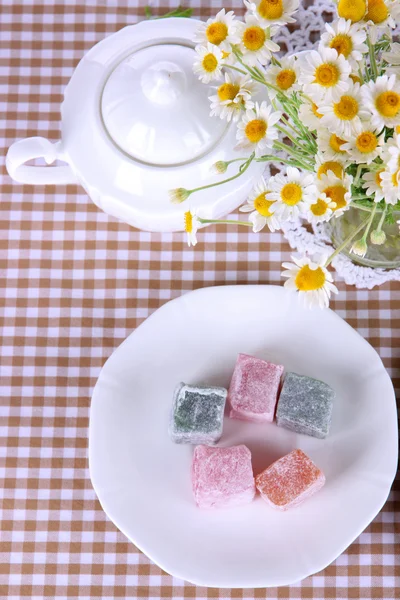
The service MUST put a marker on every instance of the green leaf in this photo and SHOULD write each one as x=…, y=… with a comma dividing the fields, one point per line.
x=147, y=12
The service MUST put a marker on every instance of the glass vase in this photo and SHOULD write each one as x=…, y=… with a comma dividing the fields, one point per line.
x=385, y=256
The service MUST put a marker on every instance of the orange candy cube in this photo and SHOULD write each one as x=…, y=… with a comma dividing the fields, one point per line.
x=290, y=480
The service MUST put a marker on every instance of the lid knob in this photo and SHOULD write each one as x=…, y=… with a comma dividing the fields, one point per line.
x=163, y=82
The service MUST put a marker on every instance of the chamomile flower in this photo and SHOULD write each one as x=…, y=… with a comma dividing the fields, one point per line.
x=346, y=38
x=382, y=13
x=382, y=98
x=338, y=190
x=343, y=116
x=219, y=31
x=311, y=279
x=330, y=145
x=391, y=186
x=232, y=97
x=291, y=192
x=324, y=165
x=373, y=184
x=208, y=63
x=191, y=225
x=309, y=114
x=255, y=41
x=364, y=144
x=324, y=74
x=256, y=130
x=319, y=209
x=259, y=207
x=273, y=12
x=391, y=153
x=354, y=10
x=284, y=77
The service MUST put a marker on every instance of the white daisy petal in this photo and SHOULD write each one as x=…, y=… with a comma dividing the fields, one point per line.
x=220, y=31
x=232, y=97
x=256, y=130
x=310, y=278
x=382, y=99
x=324, y=74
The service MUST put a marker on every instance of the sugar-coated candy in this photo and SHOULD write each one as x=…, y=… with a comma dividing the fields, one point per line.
x=290, y=480
x=197, y=414
x=254, y=389
x=222, y=477
x=305, y=405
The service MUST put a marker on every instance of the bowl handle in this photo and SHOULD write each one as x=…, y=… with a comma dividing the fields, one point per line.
x=37, y=147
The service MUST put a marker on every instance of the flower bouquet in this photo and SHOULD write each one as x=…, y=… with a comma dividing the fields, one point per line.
x=329, y=116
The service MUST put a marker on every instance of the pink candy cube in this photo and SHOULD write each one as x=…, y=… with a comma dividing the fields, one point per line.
x=254, y=388
x=222, y=477
x=290, y=480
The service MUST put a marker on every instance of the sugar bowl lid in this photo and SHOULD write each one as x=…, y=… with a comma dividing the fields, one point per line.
x=156, y=110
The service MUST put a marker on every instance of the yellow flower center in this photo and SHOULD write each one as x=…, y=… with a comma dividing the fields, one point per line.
x=346, y=109
x=378, y=178
x=326, y=75
x=308, y=280
x=255, y=130
x=336, y=194
x=377, y=11
x=366, y=142
x=285, y=79
x=253, y=38
x=188, y=218
x=216, y=33
x=270, y=9
x=355, y=78
x=314, y=108
x=262, y=205
x=330, y=165
x=395, y=178
x=227, y=91
x=210, y=63
x=224, y=54
x=319, y=208
x=388, y=104
x=342, y=43
x=335, y=143
x=291, y=194
x=397, y=129
x=352, y=9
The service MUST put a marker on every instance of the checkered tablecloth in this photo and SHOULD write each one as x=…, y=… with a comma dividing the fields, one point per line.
x=74, y=283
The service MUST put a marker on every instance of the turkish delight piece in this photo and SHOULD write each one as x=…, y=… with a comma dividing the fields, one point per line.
x=222, y=477
x=254, y=389
x=290, y=480
x=197, y=414
x=305, y=405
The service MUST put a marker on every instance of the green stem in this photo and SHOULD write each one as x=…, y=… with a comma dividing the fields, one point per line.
x=235, y=69
x=381, y=220
x=225, y=222
x=346, y=242
x=372, y=58
x=271, y=157
x=295, y=141
x=299, y=157
x=242, y=169
x=358, y=174
x=371, y=218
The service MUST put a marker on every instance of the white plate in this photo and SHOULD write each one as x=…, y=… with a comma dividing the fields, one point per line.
x=143, y=481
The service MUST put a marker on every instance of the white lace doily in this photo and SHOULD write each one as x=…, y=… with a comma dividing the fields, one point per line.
x=310, y=22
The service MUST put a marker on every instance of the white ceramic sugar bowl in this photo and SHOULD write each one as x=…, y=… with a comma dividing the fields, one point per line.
x=135, y=124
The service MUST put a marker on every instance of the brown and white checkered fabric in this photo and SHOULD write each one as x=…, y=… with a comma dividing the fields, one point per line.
x=74, y=282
